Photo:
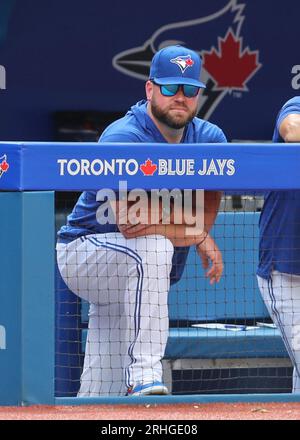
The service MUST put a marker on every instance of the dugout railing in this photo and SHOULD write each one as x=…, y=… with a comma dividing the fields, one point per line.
x=27, y=286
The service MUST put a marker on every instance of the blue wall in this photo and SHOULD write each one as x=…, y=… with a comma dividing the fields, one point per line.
x=10, y=298
x=27, y=298
x=58, y=56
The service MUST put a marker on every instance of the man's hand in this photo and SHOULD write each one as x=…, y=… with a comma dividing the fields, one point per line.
x=209, y=253
x=134, y=222
x=132, y=231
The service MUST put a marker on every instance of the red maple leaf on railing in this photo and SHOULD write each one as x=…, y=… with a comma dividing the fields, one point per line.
x=148, y=168
x=4, y=166
x=230, y=67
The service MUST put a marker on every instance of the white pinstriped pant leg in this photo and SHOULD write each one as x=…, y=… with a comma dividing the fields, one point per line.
x=127, y=284
x=281, y=294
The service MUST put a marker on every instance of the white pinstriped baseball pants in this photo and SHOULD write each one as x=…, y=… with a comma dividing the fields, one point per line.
x=281, y=294
x=126, y=282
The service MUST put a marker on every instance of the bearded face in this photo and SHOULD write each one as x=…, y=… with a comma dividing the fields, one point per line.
x=173, y=111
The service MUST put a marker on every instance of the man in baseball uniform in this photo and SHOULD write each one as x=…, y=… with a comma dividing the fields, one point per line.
x=279, y=249
x=124, y=270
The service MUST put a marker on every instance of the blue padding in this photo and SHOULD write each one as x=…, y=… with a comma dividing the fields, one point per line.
x=171, y=400
x=80, y=166
x=221, y=344
x=237, y=296
x=11, y=298
x=37, y=319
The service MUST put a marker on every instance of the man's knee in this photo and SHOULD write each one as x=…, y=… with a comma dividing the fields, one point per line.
x=165, y=249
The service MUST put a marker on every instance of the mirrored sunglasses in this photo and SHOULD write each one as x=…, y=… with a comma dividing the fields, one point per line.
x=171, y=90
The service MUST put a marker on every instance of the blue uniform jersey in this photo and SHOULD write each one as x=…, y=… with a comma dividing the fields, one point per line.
x=135, y=126
x=279, y=225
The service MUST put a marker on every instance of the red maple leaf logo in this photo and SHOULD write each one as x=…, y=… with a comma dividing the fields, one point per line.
x=4, y=166
x=230, y=67
x=148, y=168
x=190, y=62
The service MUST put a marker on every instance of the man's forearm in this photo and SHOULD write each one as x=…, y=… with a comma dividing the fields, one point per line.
x=177, y=234
x=181, y=234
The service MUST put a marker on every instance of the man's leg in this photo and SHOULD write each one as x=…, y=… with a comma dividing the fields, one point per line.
x=281, y=294
x=127, y=282
x=146, y=311
x=103, y=372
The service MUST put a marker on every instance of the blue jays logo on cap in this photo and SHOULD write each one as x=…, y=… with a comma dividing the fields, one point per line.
x=176, y=65
x=183, y=62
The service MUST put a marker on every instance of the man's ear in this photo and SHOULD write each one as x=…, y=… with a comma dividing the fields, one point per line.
x=149, y=90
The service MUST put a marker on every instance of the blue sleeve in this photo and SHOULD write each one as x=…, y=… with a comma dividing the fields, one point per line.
x=221, y=137
x=209, y=133
x=214, y=135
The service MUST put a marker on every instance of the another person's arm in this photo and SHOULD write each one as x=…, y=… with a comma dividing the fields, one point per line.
x=290, y=128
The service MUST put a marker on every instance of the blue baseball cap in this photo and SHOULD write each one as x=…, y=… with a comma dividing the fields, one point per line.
x=176, y=65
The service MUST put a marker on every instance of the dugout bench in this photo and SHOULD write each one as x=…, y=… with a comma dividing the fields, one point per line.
x=235, y=300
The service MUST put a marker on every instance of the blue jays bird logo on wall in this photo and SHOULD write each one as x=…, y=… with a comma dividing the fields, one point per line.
x=183, y=62
x=227, y=65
